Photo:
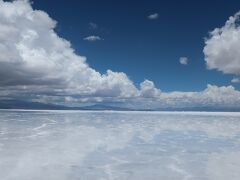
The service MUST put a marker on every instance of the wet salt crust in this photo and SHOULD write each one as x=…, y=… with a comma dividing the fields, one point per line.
x=88, y=145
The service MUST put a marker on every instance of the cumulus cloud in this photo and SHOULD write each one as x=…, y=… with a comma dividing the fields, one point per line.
x=153, y=16
x=148, y=90
x=183, y=60
x=212, y=96
x=92, y=38
x=34, y=58
x=38, y=65
x=222, y=47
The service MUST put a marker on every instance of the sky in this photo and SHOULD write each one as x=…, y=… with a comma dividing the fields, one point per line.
x=134, y=54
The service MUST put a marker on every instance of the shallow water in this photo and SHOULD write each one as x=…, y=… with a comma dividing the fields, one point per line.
x=88, y=145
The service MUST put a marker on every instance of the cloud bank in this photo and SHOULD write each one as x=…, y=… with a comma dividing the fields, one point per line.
x=38, y=65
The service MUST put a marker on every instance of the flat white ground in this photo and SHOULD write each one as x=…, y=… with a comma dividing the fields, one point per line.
x=89, y=145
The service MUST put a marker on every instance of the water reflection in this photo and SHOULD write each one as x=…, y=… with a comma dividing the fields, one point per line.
x=60, y=145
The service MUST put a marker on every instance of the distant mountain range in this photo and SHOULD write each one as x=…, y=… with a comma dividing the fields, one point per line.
x=16, y=104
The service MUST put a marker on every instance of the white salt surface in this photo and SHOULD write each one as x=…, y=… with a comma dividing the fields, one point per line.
x=88, y=145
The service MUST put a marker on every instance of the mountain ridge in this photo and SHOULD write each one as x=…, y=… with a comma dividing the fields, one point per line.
x=17, y=104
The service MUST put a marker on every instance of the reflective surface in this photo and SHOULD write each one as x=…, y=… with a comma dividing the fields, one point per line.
x=75, y=145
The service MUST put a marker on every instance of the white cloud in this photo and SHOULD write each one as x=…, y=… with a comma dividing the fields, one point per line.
x=92, y=38
x=235, y=80
x=153, y=16
x=148, y=90
x=212, y=97
x=33, y=56
x=38, y=65
x=222, y=47
x=183, y=60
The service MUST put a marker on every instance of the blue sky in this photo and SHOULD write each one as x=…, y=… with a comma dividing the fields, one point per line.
x=143, y=48
x=139, y=55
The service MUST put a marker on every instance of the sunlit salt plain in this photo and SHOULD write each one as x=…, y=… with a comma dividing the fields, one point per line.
x=88, y=145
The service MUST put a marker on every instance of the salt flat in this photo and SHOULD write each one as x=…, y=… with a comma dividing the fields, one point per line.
x=99, y=145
